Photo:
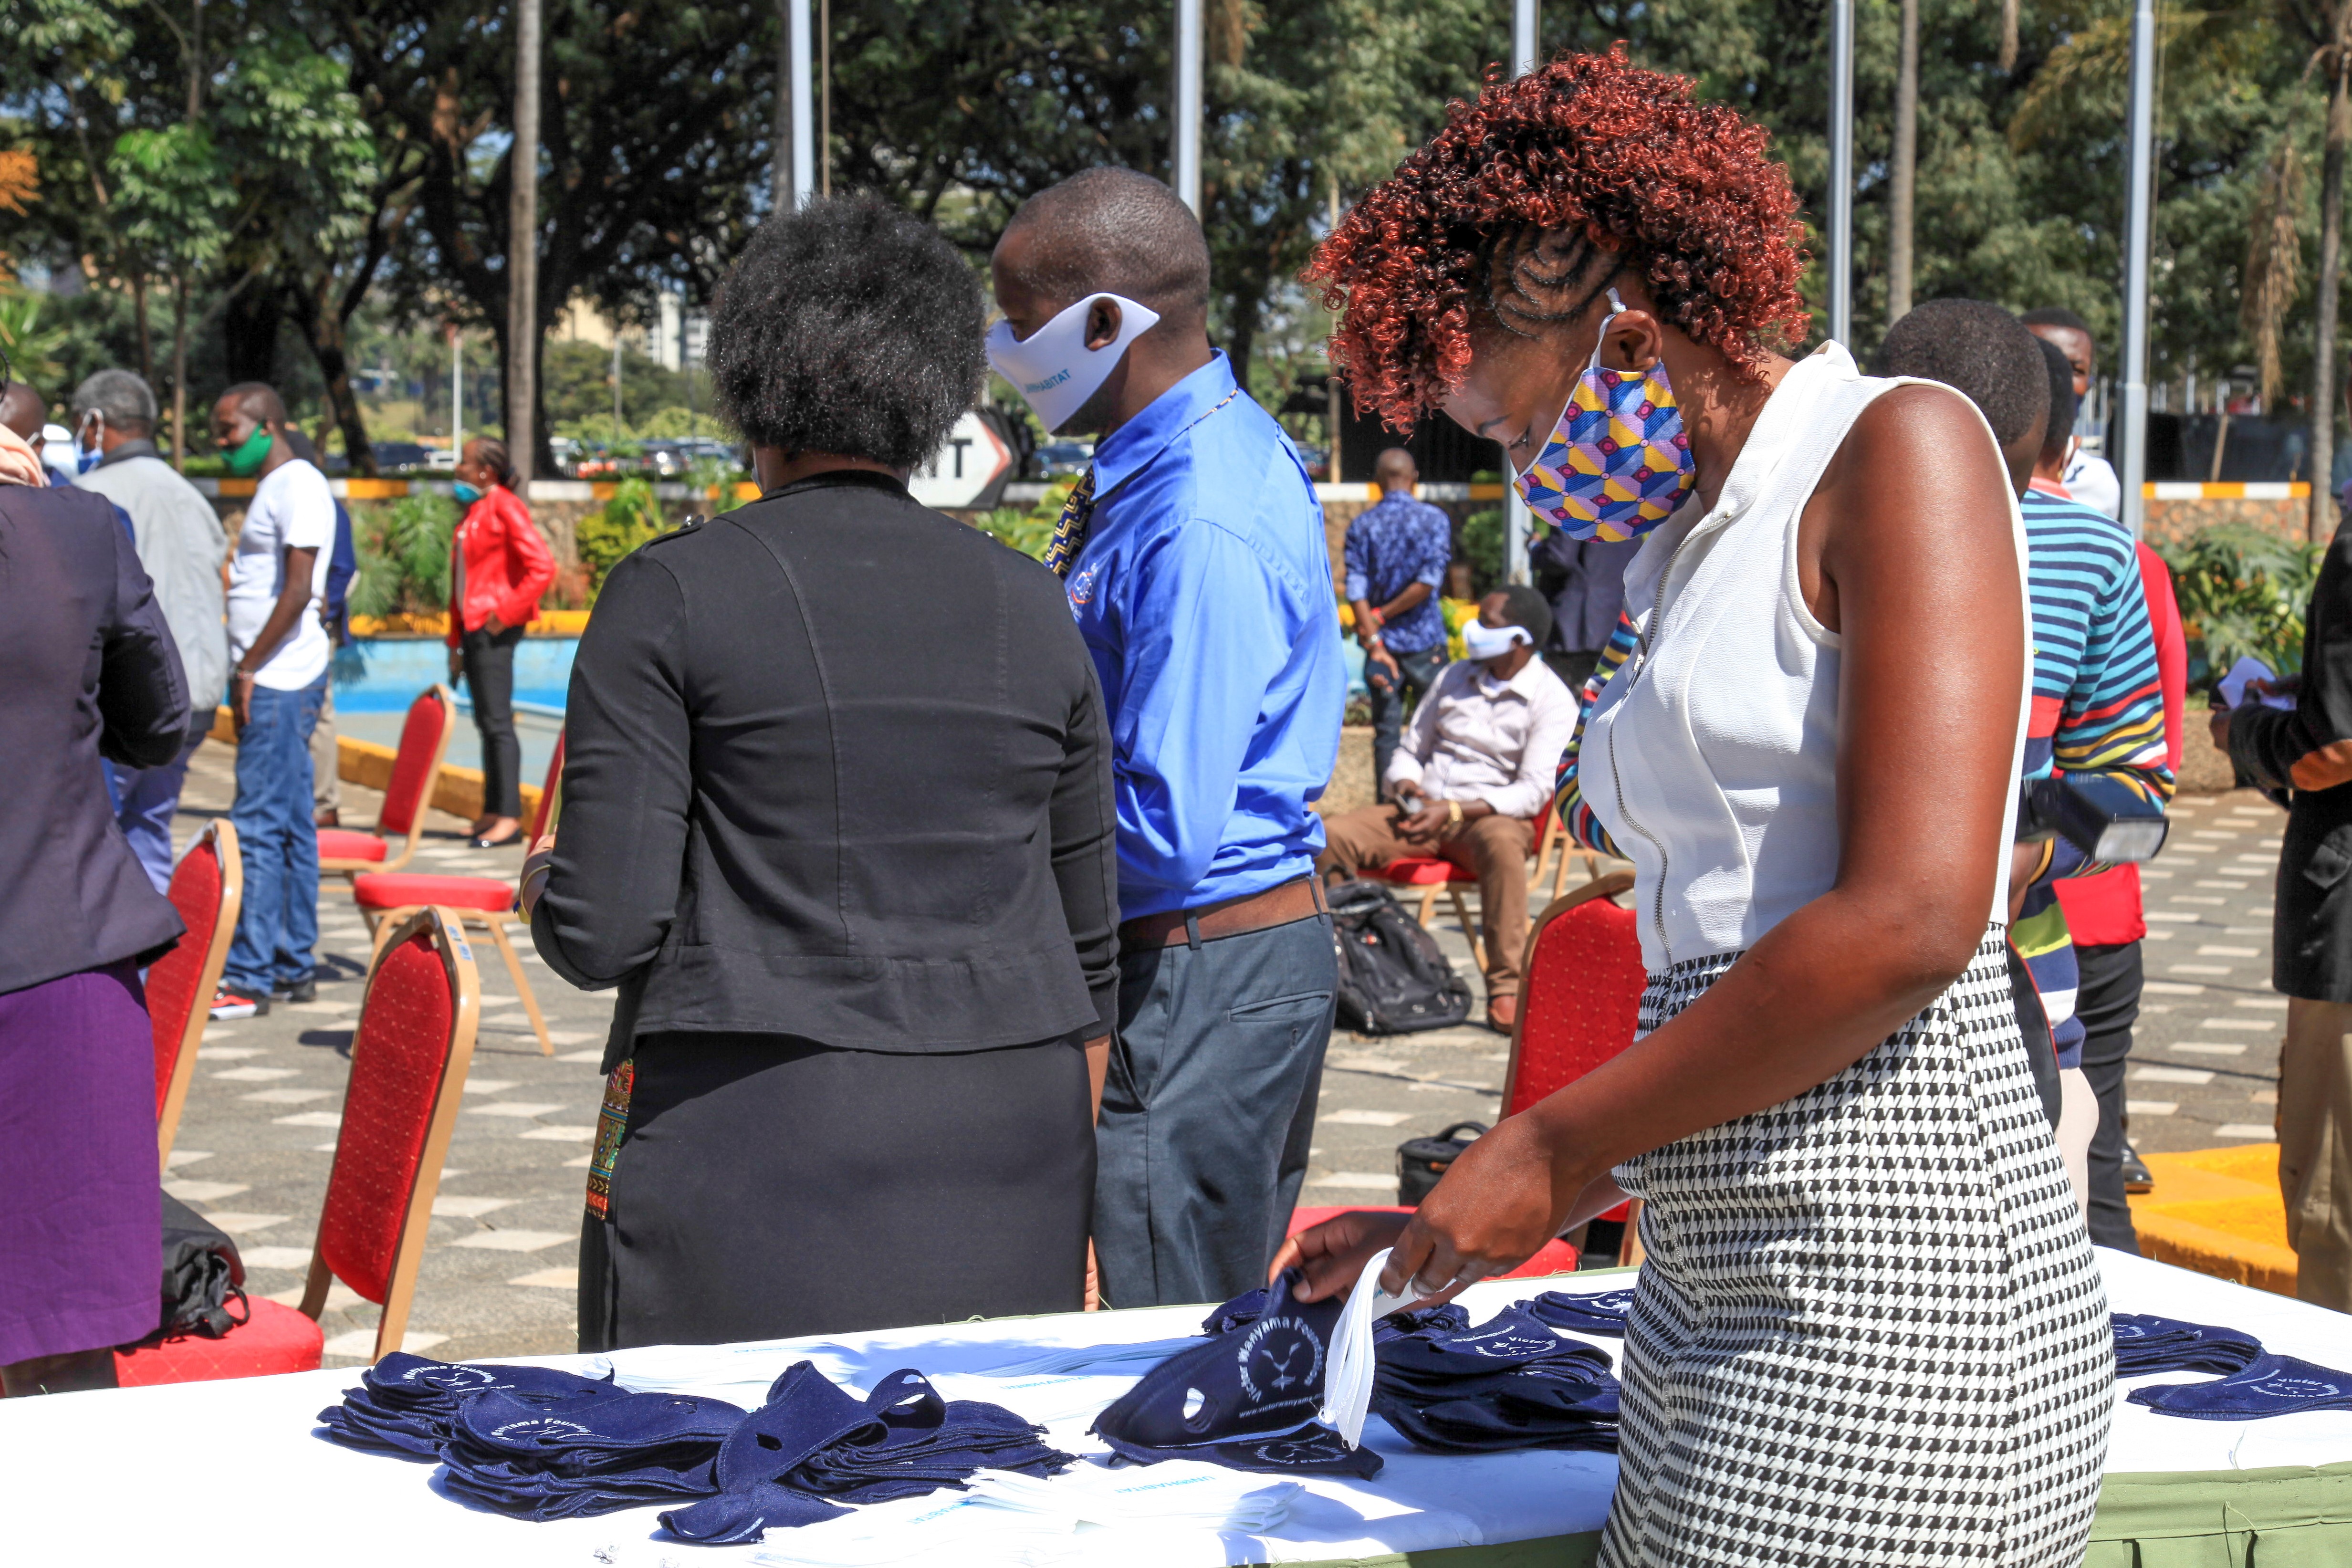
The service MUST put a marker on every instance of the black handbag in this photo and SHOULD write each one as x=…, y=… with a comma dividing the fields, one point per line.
x=202, y=1274
x=1422, y=1162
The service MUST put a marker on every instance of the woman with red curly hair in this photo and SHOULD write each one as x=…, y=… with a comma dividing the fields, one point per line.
x=1869, y=1328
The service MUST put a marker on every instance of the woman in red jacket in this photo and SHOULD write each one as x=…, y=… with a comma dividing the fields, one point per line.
x=499, y=566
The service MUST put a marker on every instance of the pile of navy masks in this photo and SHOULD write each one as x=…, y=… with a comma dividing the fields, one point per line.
x=2144, y=1343
x=1509, y=1384
x=627, y=1451
x=813, y=1446
x=2254, y=1384
x=404, y=1404
x=1247, y=1398
x=1602, y=1312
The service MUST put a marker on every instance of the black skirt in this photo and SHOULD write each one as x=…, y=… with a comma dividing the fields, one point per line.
x=763, y=1186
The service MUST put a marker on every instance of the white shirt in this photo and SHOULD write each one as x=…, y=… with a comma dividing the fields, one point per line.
x=1477, y=737
x=2091, y=479
x=292, y=510
x=1711, y=755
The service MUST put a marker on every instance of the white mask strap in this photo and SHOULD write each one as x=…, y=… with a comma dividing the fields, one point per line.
x=1616, y=308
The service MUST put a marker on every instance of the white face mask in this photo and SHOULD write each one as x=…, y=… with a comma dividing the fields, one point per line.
x=1053, y=367
x=1485, y=642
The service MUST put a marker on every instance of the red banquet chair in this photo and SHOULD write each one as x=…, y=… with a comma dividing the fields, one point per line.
x=415, y=769
x=385, y=897
x=207, y=889
x=409, y=1056
x=1434, y=875
x=1580, y=1003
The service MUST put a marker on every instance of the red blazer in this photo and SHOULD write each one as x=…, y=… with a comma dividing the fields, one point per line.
x=507, y=564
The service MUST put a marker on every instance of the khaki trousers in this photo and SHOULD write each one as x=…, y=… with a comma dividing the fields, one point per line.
x=326, y=774
x=2314, y=1126
x=1493, y=849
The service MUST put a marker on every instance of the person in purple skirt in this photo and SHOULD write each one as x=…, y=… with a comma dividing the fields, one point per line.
x=87, y=670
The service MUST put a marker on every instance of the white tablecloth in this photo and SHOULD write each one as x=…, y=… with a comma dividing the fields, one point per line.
x=236, y=1470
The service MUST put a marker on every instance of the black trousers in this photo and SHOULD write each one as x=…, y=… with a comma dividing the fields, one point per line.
x=2108, y=1005
x=489, y=680
x=768, y=1187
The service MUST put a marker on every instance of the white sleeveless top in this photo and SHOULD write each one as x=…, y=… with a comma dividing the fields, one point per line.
x=1711, y=755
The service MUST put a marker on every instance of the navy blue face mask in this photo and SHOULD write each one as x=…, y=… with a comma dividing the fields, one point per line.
x=1258, y=1378
x=2269, y=1385
x=2146, y=1343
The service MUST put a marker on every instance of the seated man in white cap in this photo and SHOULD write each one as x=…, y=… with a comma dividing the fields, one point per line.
x=1473, y=771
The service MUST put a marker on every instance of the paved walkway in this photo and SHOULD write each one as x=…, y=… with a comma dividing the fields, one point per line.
x=499, y=1275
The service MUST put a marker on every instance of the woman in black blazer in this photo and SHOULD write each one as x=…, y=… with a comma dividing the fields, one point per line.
x=836, y=819
x=87, y=670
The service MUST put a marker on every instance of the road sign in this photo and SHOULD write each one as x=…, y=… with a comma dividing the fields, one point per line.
x=969, y=470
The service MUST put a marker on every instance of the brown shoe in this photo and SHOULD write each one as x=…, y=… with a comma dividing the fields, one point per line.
x=1501, y=1013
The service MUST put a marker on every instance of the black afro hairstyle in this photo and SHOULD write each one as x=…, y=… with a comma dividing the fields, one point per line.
x=2057, y=316
x=851, y=328
x=1523, y=607
x=2055, y=435
x=1982, y=352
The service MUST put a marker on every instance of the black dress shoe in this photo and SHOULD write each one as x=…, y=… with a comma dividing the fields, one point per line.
x=2137, y=1177
x=303, y=990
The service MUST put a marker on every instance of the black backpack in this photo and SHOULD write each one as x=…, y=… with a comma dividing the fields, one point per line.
x=1392, y=978
x=201, y=1272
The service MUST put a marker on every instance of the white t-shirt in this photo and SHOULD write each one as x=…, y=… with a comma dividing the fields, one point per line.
x=292, y=510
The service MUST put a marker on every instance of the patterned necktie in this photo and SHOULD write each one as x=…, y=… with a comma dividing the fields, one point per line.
x=1070, y=529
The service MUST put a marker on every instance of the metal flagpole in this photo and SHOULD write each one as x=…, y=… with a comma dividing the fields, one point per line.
x=1840, y=236
x=523, y=248
x=2139, y=199
x=796, y=27
x=1517, y=523
x=1188, y=104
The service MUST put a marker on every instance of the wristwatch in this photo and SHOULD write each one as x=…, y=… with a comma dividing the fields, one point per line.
x=1452, y=814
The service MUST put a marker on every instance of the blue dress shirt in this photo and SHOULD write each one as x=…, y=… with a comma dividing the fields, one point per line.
x=1393, y=543
x=1205, y=594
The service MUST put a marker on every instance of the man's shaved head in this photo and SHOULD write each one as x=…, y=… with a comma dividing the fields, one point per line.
x=257, y=399
x=22, y=410
x=1109, y=230
x=1394, y=467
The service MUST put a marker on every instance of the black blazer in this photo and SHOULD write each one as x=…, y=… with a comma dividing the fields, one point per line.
x=836, y=767
x=2311, y=947
x=87, y=669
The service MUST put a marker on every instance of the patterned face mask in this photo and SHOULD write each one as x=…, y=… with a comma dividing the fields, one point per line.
x=1619, y=461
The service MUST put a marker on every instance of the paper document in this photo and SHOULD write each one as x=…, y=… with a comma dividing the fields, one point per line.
x=2233, y=684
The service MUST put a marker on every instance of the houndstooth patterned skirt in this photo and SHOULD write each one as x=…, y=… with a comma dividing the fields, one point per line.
x=1869, y=1329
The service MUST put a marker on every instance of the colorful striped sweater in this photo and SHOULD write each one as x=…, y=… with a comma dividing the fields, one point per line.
x=2098, y=708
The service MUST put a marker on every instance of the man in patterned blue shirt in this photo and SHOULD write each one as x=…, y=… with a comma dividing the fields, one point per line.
x=1396, y=556
x=1194, y=556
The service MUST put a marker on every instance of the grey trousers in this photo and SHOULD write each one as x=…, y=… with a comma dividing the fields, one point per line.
x=1208, y=1111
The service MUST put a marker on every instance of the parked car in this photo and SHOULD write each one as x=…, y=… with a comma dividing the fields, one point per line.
x=393, y=456
x=440, y=460
x=1056, y=458
x=669, y=459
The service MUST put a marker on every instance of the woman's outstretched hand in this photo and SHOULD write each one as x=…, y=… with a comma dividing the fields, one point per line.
x=1501, y=1201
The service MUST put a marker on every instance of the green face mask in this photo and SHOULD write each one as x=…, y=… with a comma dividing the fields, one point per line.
x=245, y=460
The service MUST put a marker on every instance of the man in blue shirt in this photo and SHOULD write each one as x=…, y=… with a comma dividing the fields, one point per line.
x=1196, y=568
x=1397, y=551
